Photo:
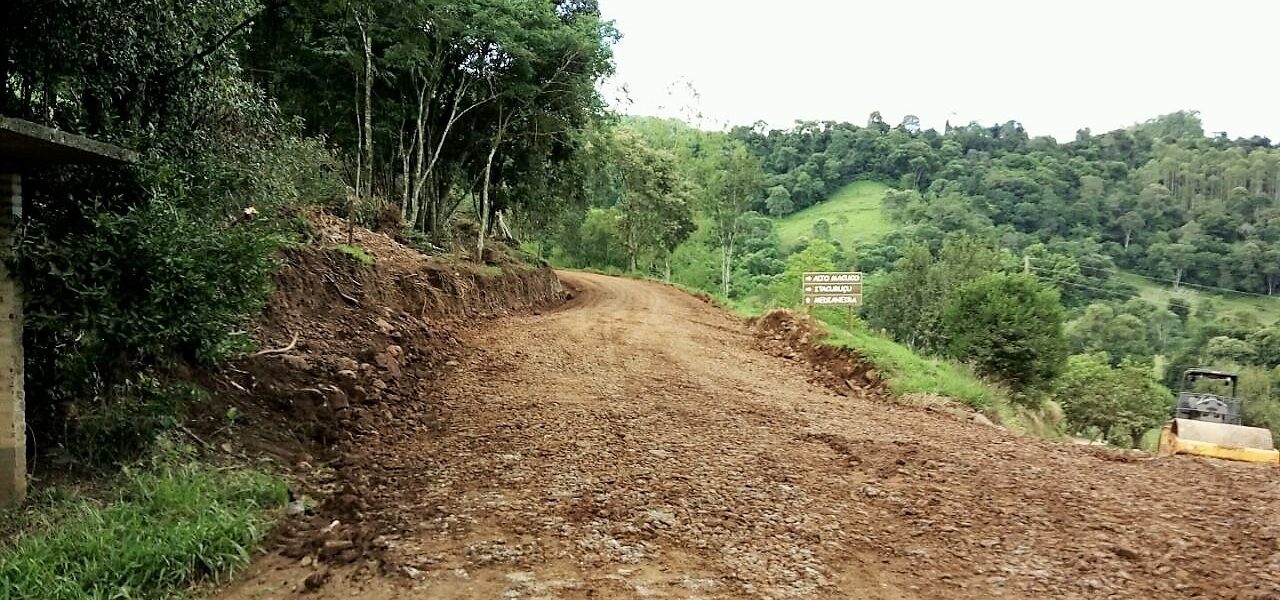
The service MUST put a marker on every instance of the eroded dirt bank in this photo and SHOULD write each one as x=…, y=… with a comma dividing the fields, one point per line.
x=639, y=443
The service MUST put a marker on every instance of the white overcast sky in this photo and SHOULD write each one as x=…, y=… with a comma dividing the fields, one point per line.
x=1053, y=65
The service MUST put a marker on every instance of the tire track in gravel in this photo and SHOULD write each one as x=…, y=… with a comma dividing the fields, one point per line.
x=638, y=443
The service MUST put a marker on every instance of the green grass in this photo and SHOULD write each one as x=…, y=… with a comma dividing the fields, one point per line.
x=911, y=373
x=860, y=205
x=355, y=252
x=166, y=528
x=906, y=371
x=1265, y=310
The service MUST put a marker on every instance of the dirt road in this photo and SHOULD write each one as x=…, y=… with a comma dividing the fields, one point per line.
x=638, y=443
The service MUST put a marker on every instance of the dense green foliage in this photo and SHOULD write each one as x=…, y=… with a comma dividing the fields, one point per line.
x=1134, y=230
x=1115, y=403
x=909, y=300
x=246, y=114
x=170, y=524
x=128, y=268
x=1160, y=197
x=1008, y=326
x=445, y=102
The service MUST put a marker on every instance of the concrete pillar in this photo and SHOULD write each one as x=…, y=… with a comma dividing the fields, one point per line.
x=13, y=422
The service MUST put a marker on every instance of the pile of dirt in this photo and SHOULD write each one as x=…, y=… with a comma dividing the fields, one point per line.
x=356, y=343
x=795, y=337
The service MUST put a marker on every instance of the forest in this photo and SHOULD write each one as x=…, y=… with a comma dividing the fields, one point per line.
x=438, y=115
x=1049, y=237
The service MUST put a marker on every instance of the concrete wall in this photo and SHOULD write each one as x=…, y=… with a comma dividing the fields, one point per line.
x=13, y=429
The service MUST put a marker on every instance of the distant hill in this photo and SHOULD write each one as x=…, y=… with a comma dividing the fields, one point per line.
x=853, y=211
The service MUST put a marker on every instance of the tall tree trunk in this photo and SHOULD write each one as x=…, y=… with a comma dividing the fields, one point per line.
x=1127, y=234
x=5, y=98
x=666, y=267
x=456, y=113
x=406, y=155
x=726, y=268
x=368, y=108
x=419, y=177
x=485, y=203
x=632, y=249
x=354, y=198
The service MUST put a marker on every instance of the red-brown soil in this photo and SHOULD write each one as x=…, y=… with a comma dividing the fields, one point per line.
x=639, y=443
x=351, y=349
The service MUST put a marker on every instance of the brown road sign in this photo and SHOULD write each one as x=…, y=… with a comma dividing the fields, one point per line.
x=832, y=288
x=833, y=277
x=848, y=299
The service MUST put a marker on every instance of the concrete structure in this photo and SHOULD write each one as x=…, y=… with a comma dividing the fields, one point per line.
x=24, y=145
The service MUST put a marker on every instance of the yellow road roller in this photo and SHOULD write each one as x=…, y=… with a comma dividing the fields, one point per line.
x=1206, y=422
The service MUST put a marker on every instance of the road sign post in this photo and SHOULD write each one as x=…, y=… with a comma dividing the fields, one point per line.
x=832, y=288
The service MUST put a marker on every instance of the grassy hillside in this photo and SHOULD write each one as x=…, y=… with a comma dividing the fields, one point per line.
x=1265, y=310
x=859, y=205
x=910, y=373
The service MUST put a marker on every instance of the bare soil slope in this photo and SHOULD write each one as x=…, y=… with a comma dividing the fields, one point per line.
x=640, y=443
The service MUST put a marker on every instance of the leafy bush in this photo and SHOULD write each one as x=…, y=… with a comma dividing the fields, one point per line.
x=820, y=255
x=1008, y=327
x=1119, y=404
x=126, y=270
x=170, y=525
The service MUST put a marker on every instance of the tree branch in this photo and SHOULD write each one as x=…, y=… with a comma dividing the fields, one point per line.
x=221, y=41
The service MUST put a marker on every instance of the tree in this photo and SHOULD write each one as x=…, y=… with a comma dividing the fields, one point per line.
x=1101, y=329
x=654, y=214
x=910, y=300
x=480, y=99
x=1129, y=223
x=733, y=185
x=1266, y=344
x=1008, y=326
x=779, y=201
x=1117, y=403
x=822, y=229
x=901, y=302
x=1172, y=259
x=1227, y=350
x=818, y=256
x=910, y=124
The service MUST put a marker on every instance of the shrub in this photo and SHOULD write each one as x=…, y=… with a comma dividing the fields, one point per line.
x=1119, y=404
x=131, y=269
x=1008, y=326
x=125, y=420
